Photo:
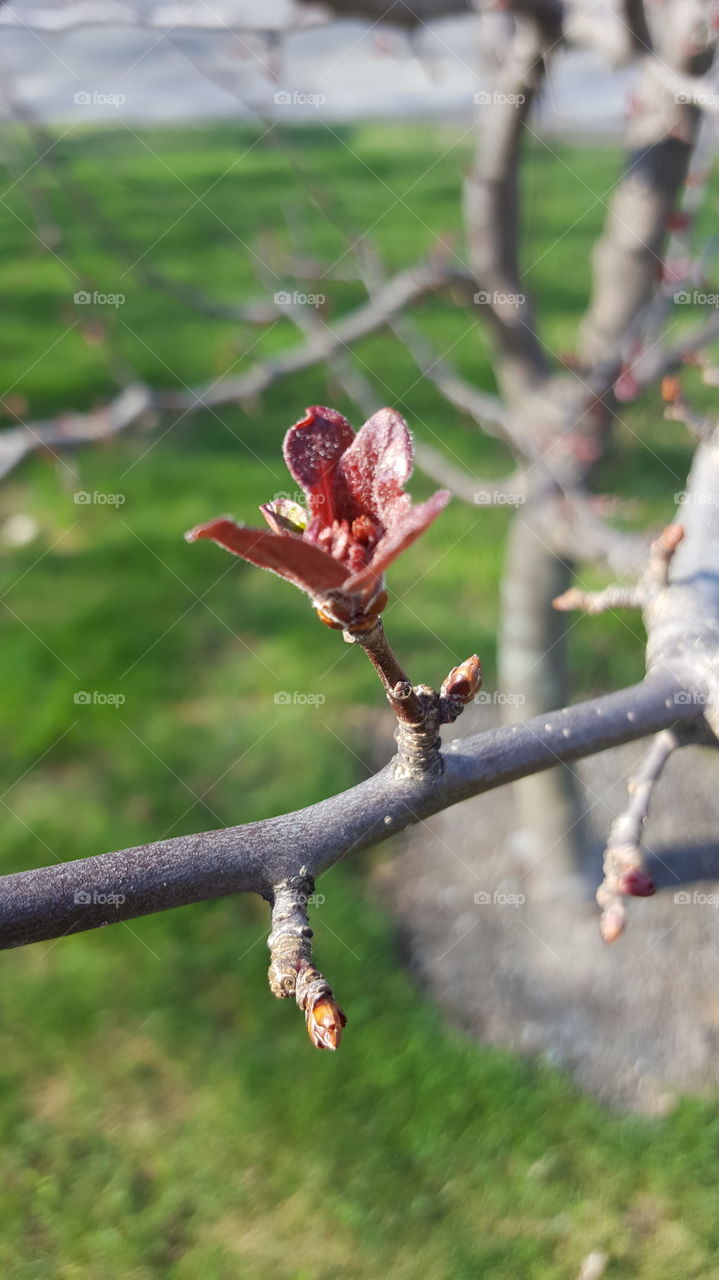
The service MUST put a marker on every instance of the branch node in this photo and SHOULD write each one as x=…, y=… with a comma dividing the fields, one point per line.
x=418, y=740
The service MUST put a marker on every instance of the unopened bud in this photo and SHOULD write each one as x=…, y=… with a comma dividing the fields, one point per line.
x=637, y=884
x=325, y=1022
x=464, y=681
x=671, y=390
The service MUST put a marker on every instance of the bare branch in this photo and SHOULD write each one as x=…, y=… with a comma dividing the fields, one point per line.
x=581, y=532
x=486, y=410
x=292, y=972
x=613, y=597
x=74, y=429
x=71, y=430
x=655, y=578
x=624, y=868
x=634, y=17
x=404, y=288
x=661, y=134
x=492, y=213
x=486, y=491
x=74, y=896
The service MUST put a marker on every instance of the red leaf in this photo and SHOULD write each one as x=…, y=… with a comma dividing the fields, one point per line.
x=285, y=554
x=312, y=449
x=404, y=533
x=377, y=466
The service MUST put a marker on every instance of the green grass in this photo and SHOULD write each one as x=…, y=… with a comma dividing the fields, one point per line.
x=160, y=1114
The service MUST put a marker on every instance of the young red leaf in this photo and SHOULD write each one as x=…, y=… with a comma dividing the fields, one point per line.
x=360, y=519
x=377, y=465
x=312, y=449
x=405, y=531
x=285, y=554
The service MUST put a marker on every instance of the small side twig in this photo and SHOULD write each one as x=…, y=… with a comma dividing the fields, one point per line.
x=419, y=709
x=625, y=871
x=402, y=697
x=291, y=971
x=612, y=597
x=635, y=596
x=479, y=491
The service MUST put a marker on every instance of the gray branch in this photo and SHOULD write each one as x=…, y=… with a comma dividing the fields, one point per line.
x=75, y=896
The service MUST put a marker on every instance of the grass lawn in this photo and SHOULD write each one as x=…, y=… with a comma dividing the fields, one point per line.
x=160, y=1113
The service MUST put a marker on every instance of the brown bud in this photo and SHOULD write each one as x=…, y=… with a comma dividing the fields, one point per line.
x=464, y=681
x=325, y=1022
x=330, y=622
x=671, y=390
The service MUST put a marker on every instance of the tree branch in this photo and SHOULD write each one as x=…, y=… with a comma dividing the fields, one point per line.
x=75, y=896
x=70, y=430
x=624, y=869
x=74, y=429
x=400, y=291
x=491, y=207
x=661, y=134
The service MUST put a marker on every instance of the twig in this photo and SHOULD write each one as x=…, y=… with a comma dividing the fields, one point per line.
x=404, y=288
x=485, y=492
x=624, y=867
x=486, y=410
x=70, y=897
x=654, y=579
x=71, y=430
x=291, y=971
x=398, y=687
x=612, y=597
x=419, y=709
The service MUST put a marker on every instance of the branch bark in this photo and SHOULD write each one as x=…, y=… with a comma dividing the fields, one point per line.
x=72, y=897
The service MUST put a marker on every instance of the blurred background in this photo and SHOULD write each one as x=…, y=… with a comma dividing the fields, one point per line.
x=161, y=1114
